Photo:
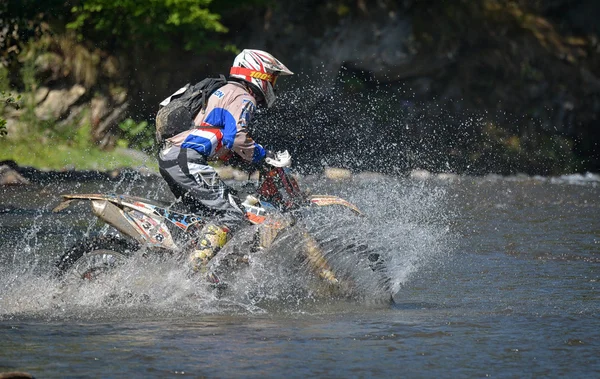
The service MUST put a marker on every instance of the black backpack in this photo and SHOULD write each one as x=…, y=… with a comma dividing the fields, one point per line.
x=177, y=112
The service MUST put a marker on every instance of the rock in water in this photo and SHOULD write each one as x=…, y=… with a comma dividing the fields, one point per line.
x=9, y=176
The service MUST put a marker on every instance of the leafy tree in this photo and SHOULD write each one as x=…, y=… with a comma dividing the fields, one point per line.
x=155, y=23
x=7, y=99
x=116, y=24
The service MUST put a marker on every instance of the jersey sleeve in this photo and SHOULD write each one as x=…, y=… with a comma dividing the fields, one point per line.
x=241, y=142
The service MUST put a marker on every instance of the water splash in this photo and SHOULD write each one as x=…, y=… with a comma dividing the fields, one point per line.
x=406, y=224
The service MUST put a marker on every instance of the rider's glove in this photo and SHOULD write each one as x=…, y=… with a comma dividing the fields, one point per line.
x=279, y=159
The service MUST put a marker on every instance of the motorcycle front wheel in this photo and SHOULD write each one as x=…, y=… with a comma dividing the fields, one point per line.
x=93, y=256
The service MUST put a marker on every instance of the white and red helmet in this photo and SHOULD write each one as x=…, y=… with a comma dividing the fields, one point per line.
x=261, y=70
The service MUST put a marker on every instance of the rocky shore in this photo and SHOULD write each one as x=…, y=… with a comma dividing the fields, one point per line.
x=13, y=174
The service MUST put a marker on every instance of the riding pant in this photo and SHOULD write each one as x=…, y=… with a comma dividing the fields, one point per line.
x=199, y=186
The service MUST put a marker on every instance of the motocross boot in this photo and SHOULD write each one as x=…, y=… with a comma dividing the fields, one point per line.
x=212, y=239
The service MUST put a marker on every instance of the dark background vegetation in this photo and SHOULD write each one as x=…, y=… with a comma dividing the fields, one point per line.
x=465, y=86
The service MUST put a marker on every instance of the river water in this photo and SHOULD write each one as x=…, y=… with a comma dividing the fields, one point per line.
x=491, y=277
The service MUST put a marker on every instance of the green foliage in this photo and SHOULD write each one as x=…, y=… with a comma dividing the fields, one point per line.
x=138, y=135
x=56, y=155
x=31, y=84
x=120, y=24
x=4, y=86
x=7, y=99
x=81, y=138
x=150, y=22
x=20, y=21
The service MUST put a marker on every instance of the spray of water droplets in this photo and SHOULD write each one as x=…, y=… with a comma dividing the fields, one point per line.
x=404, y=230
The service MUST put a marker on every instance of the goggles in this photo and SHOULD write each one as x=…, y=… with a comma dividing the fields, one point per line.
x=271, y=78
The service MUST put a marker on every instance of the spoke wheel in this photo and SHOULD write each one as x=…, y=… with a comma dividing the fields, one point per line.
x=92, y=257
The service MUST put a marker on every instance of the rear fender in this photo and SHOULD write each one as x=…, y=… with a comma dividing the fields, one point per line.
x=136, y=219
x=144, y=228
x=181, y=220
x=118, y=200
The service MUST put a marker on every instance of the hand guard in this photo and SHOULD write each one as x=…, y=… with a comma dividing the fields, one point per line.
x=280, y=159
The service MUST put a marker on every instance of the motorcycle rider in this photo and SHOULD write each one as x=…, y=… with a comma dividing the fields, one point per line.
x=220, y=133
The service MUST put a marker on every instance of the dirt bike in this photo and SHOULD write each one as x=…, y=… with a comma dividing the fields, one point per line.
x=157, y=228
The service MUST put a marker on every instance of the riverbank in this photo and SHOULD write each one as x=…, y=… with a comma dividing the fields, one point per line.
x=415, y=86
x=12, y=173
x=60, y=156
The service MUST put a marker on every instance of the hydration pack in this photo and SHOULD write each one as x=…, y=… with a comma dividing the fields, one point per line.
x=176, y=113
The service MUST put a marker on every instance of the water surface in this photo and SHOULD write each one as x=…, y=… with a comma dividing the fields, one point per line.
x=494, y=276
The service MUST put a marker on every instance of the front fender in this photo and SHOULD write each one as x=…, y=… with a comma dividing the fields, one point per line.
x=325, y=200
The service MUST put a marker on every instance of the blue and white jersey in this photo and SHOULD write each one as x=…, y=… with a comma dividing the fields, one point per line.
x=222, y=127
